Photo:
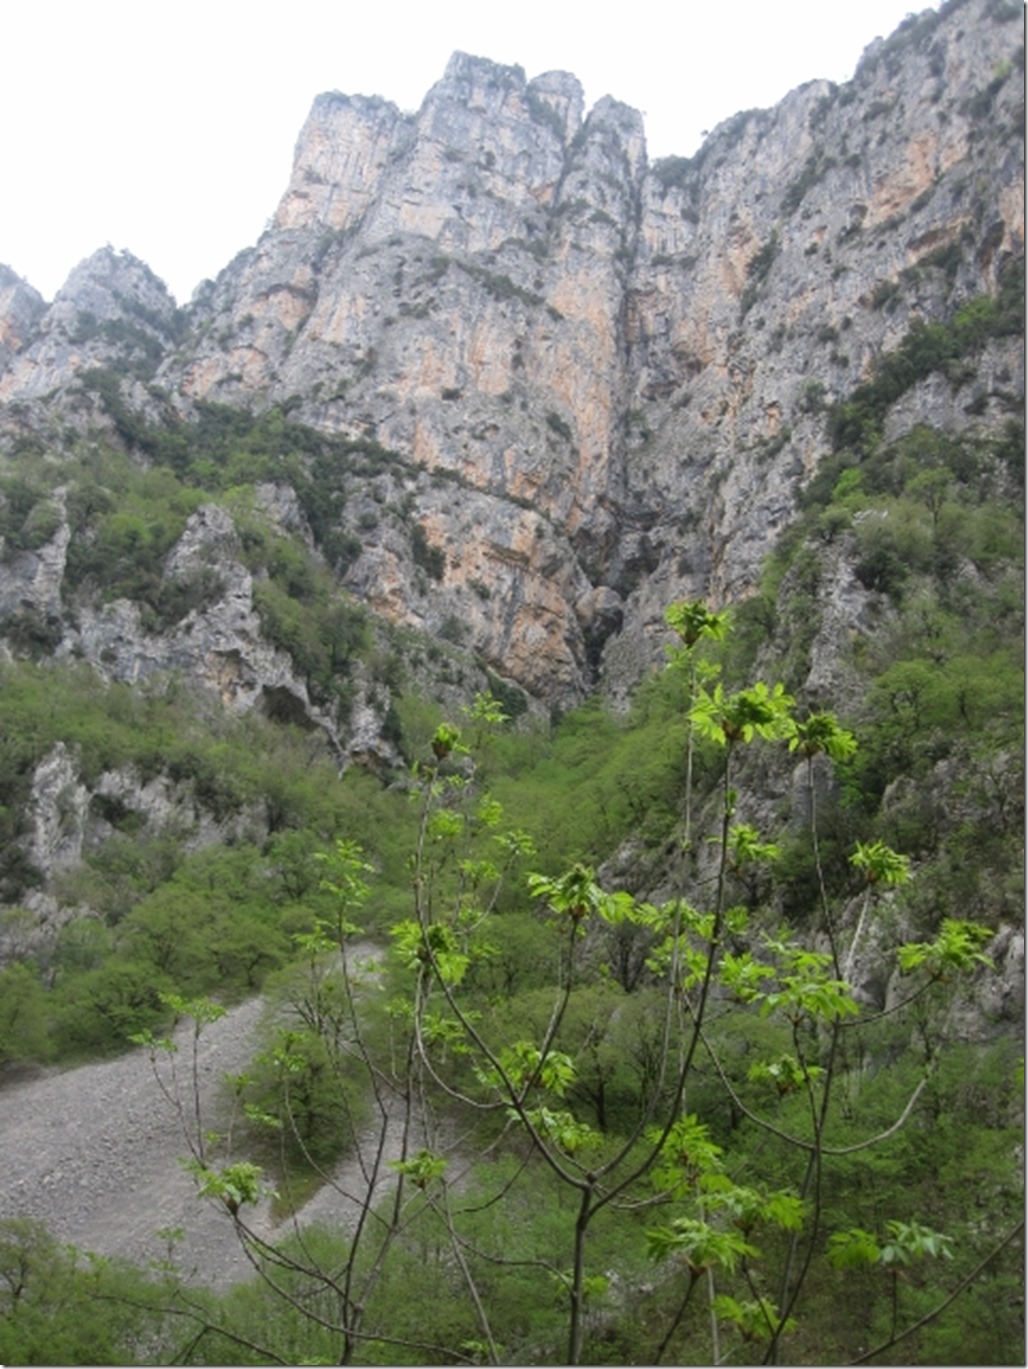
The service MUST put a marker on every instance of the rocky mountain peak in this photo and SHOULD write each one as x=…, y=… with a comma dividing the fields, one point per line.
x=110, y=283
x=342, y=152
x=602, y=382
x=112, y=307
x=486, y=87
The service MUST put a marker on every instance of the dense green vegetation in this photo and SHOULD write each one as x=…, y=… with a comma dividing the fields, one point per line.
x=825, y=1144
x=160, y=918
x=60, y=1307
x=856, y=425
x=762, y=1105
x=572, y=1091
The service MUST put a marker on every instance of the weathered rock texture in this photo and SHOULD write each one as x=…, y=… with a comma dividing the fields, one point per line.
x=111, y=308
x=606, y=380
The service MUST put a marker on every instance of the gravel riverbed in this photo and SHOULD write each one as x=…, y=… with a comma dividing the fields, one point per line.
x=95, y=1153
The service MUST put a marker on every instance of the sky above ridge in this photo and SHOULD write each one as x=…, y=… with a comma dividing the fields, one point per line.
x=168, y=130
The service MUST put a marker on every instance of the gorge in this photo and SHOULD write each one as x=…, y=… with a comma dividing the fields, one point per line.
x=489, y=394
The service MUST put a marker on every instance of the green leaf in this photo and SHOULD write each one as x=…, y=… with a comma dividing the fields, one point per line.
x=701, y=1246
x=786, y=1073
x=692, y=620
x=910, y=1241
x=955, y=950
x=743, y=975
x=203, y=1011
x=446, y=740
x=446, y=824
x=562, y=1128
x=755, y=1320
x=822, y=734
x=233, y=1185
x=881, y=865
x=754, y=712
x=422, y=1169
x=752, y=1207
x=345, y=871
x=852, y=1248
x=686, y=1155
x=575, y=893
x=745, y=846
x=805, y=988
x=434, y=946
x=487, y=709
x=153, y=1043
x=517, y=843
x=525, y=1067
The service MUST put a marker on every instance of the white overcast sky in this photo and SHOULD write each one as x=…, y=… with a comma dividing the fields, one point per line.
x=168, y=128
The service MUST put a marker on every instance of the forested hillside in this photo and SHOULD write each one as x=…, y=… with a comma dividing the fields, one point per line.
x=586, y=708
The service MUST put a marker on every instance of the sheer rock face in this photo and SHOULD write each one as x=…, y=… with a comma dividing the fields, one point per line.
x=609, y=379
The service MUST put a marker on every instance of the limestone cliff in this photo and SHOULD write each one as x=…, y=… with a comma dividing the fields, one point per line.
x=605, y=381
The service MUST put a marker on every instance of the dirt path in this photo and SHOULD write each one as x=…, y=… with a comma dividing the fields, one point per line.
x=94, y=1153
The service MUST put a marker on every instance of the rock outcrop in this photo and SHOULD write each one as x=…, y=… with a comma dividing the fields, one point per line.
x=111, y=310
x=605, y=380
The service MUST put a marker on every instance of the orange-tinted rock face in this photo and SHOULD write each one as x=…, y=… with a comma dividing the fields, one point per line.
x=604, y=382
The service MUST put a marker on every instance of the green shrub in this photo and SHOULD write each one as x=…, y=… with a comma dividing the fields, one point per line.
x=431, y=559
x=559, y=425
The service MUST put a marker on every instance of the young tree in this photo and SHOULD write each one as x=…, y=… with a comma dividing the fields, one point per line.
x=473, y=1107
